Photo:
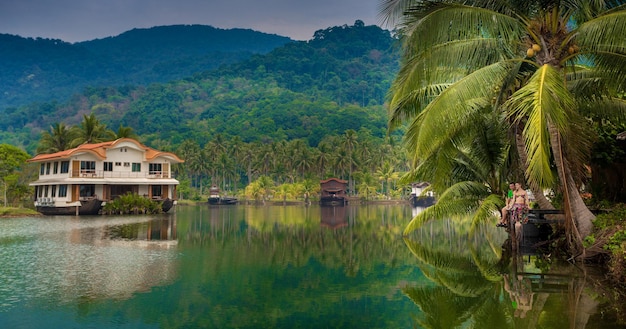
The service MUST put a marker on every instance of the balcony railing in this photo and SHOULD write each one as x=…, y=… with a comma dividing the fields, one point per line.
x=99, y=174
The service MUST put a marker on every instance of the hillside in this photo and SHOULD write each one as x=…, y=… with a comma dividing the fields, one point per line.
x=34, y=70
x=302, y=90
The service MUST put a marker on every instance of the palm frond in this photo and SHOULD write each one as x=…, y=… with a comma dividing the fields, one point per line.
x=459, y=199
x=458, y=22
x=544, y=99
x=451, y=110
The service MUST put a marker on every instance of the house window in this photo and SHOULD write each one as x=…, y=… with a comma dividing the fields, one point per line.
x=118, y=164
x=45, y=193
x=87, y=190
x=48, y=168
x=42, y=169
x=108, y=166
x=54, y=191
x=65, y=167
x=87, y=166
x=40, y=192
x=154, y=168
x=136, y=167
x=156, y=191
x=55, y=170
x=126, y=164
x=62, y=191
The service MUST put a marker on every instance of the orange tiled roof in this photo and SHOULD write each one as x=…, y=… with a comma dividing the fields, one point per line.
x=99, y=150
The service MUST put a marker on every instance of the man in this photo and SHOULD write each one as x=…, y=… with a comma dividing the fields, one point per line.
x=508, y=203
x=519, y=210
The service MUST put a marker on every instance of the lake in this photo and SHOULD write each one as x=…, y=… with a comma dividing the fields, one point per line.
x=284, y=267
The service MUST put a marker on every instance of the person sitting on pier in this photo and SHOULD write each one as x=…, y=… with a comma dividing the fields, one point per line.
x=508, y=203
x=519, y=210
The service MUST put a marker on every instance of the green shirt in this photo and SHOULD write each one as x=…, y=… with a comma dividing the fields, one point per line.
x=509, y=194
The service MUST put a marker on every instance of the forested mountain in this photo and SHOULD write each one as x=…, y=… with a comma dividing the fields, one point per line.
x=302, y=90
x=46, y=69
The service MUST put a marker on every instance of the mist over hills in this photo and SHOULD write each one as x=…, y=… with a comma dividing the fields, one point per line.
x=175, y=83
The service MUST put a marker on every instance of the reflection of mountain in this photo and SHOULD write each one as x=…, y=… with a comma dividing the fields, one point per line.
x=333, y=217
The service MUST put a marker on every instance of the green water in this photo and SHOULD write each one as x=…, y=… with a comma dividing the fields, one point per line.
x=281, y=267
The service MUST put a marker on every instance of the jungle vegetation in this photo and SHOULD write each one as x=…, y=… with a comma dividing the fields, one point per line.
x=497, y=91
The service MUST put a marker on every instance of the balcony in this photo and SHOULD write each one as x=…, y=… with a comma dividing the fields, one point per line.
x=99, y=174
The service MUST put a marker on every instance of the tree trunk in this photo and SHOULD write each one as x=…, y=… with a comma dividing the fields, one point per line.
x=575, y=209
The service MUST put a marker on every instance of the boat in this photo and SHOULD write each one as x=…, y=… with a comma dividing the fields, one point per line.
x=80, y=180
x=418, y=199
x=83, y=207
x=215, y=198
x=333, y=192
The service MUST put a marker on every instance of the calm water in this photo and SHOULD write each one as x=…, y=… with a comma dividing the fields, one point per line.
x=283, y=267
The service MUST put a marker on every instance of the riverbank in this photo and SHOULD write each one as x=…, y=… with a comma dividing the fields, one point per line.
x=17, y=212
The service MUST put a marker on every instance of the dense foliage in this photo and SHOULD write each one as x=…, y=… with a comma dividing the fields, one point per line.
x=44, y=69
x=304, y=90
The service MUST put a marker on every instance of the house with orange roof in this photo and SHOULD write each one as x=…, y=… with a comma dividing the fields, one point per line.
x=80, y=180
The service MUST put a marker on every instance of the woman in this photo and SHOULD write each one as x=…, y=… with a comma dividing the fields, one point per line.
x=508, y=203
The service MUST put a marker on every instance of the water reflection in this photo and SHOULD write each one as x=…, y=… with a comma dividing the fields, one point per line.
x=333, y=217
x=280, y=267
x=62, y=260
x=477, y=283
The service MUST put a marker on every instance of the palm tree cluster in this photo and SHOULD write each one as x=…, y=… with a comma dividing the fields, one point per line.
x=353, y=156
x=496, y=91
x=90, y=130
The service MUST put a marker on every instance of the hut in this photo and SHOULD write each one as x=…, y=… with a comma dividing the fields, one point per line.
x=333, y=192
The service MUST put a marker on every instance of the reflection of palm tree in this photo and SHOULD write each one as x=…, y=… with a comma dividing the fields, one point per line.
x=463, y=294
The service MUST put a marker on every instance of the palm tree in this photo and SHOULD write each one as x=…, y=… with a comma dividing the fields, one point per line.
x=59, y=138
x=367, y=184
x=91, y=131
x=386, y=173
x=467, y=173
x=350, y=141
x=542, y=64
x=125, y=132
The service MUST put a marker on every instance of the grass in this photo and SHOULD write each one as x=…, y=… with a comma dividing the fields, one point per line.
x=17, y=212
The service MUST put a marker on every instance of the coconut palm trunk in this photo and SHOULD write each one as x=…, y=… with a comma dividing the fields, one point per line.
x=578, y=217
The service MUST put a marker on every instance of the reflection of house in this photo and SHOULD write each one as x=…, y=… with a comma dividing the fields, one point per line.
x=333, y=192
x=80, y=179
x=419, y=200
x=333, y=217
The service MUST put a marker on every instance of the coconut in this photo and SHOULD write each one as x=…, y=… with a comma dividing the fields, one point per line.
x=536, y=47
x=530, y=52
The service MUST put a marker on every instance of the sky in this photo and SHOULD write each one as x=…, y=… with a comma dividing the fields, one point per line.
x=82, y=20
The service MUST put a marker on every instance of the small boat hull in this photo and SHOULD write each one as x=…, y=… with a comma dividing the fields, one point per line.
x=222, y=200
x=167, y=204
x=333, y=201
x=422, y=201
